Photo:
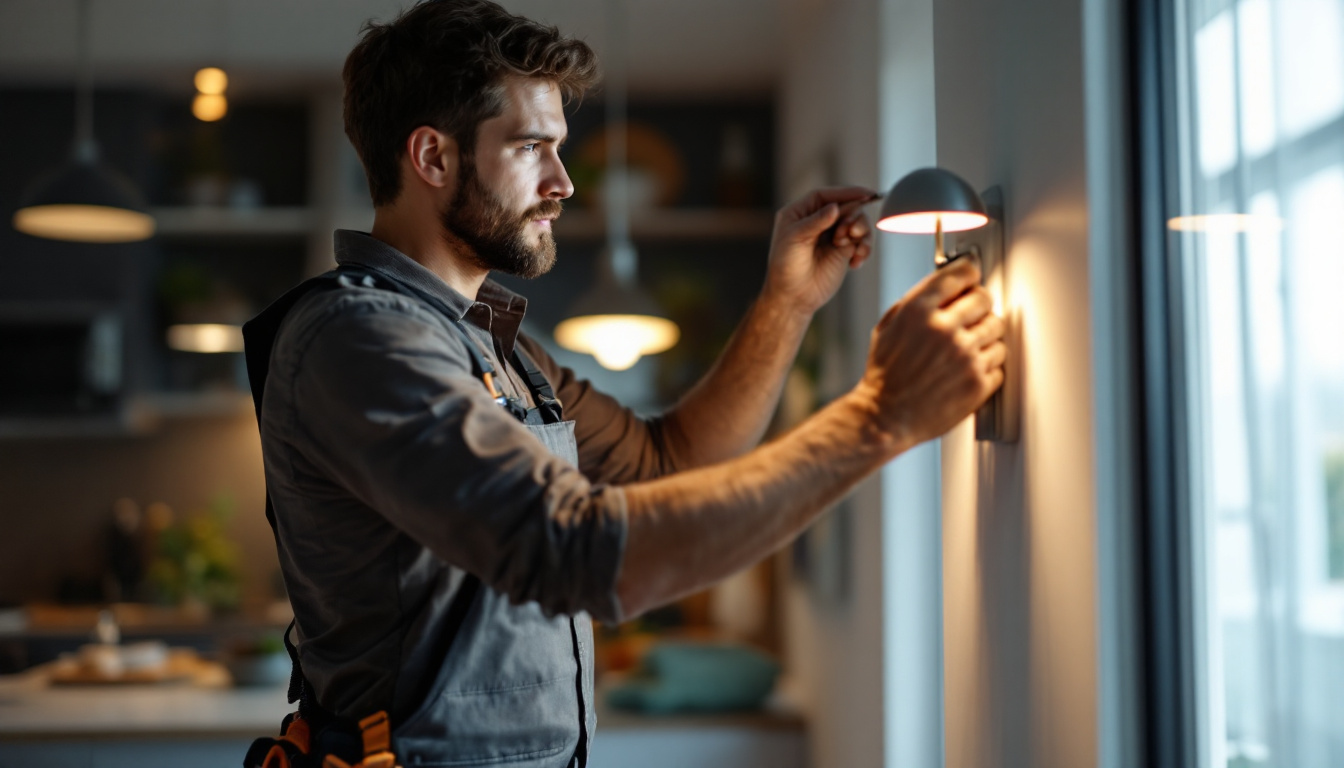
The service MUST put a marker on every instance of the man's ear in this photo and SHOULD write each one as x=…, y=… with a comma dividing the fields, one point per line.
x=432, y=156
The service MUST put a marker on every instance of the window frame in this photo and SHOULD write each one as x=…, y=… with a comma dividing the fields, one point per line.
x=1170, y=699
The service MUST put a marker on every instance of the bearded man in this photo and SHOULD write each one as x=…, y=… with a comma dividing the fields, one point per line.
x=450, y=505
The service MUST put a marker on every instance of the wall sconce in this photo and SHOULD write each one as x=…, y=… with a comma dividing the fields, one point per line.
x=934, y=201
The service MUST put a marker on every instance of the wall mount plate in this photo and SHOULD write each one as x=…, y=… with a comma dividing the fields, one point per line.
x=999, y=419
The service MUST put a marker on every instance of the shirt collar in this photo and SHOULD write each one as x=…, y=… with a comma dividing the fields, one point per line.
x=507, y=308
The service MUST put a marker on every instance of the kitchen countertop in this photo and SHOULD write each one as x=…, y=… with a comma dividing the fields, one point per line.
x=32, y=709
x=170, y=725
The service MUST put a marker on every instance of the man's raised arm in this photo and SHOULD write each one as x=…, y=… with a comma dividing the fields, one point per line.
x=934, y=357
x=727, y=412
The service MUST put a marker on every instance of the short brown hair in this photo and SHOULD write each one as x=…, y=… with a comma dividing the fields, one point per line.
x=442, y=64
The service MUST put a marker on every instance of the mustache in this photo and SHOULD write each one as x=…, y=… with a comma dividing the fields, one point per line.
x=546, y=209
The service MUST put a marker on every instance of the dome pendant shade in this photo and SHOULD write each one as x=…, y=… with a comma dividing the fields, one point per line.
x=617, y=341
x=84, y=202
x=615, y=323
x=925, y=198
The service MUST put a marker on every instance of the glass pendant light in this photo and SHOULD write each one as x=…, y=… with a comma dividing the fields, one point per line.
x=615, y=321
x=83, y=200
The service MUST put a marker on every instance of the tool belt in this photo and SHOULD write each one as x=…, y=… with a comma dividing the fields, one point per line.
x=312, y=737
x=335, y=746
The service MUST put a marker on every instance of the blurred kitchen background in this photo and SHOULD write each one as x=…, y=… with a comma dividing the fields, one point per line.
x=130, y=473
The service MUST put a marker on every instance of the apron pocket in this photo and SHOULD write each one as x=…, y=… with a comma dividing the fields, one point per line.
x=528, y=724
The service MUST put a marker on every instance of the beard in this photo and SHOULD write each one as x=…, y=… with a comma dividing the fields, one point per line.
x=478, y=224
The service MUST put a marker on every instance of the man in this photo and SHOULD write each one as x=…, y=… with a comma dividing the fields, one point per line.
x=450, y=504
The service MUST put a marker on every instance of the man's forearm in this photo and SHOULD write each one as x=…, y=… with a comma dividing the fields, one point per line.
x=727, y=412
x=688, y=530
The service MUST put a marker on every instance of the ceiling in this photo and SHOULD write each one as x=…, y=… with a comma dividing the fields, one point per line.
x=676, y=46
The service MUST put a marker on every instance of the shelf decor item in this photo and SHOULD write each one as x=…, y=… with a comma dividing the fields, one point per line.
x=83, y=200
x=195, y=563
x=615, y=321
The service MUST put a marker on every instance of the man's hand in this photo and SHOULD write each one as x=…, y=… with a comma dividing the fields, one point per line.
x=935, y=356
x=806, y=269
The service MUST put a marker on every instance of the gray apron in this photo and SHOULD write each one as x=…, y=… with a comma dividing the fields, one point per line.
x=513, y=687
x=519, y=690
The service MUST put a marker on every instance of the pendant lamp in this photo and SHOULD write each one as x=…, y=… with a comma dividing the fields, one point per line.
x=83, y=200
x=615, y=321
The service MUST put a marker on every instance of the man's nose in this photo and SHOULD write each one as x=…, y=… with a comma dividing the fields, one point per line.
x=555, y=184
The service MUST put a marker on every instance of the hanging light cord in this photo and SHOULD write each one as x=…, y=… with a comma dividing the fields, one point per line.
x=621, y=250
x=85, y=149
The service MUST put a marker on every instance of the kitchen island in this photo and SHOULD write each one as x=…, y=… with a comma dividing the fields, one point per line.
x=209, y=726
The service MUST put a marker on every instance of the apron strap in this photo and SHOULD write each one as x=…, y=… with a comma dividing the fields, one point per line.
x=550, y=408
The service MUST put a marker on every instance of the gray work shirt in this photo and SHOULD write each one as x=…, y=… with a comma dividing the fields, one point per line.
x=393, y=473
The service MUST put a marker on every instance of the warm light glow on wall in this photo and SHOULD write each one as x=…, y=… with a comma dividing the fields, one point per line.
x=1226, y=222
x=617, y=341
x=211, y=81
x=205, y=337
x=84, y=223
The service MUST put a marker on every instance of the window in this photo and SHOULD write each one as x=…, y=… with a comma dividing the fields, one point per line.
x=1253, y=173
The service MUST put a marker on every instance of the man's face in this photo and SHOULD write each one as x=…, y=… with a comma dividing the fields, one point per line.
x=509, y=191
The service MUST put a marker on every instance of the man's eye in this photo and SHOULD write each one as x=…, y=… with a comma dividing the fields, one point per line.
x=530, y=147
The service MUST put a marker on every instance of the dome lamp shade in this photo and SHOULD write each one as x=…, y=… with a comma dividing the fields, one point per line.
x=616, y=322
x=931, y=201
x=923, y=199
x=84, y=201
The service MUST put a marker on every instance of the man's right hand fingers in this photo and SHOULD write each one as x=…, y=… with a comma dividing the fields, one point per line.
x=994, y=356
x=988, y=330
x=969, y=308
x=949, y=282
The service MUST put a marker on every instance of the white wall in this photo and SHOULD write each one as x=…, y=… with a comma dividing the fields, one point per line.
x=857, y=96
x=828, y=126
x=1002, y=570
x=1020, y=555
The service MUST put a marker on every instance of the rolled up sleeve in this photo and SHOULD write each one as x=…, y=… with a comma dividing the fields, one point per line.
x=386, y=403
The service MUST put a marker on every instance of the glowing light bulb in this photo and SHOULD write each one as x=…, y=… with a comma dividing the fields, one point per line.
x=926, y=223
x=205, y=337
x=209, y=107
x=211, y=81
x=617, y=357
x=617, y=341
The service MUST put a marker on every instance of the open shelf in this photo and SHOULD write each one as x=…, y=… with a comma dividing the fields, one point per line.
x=190, y=220
x=673, y=224
x=658, y=223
